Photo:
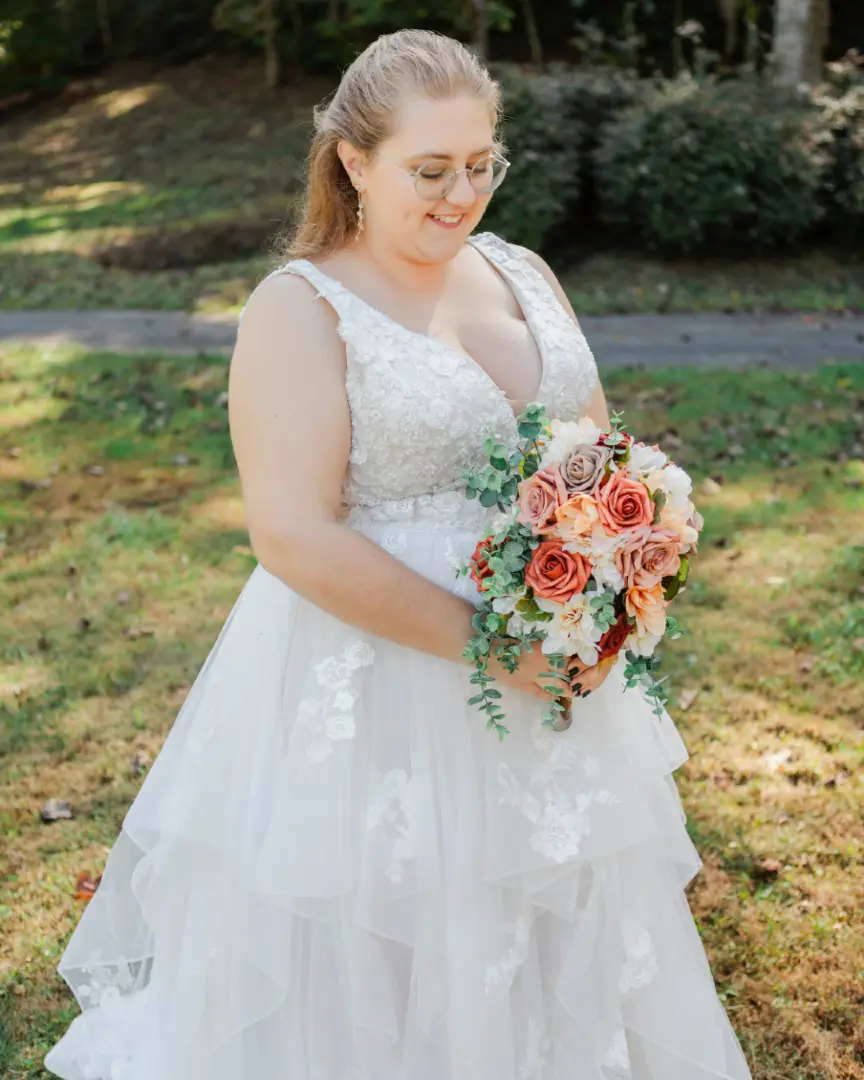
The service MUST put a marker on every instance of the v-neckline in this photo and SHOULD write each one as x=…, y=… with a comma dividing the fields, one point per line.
x=466, y=359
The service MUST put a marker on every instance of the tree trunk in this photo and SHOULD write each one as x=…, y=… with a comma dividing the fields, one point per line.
x=730, y=10
x=479, y=28
x=800, y=36
x=677, y=44
x=534, y=42
x=105, y=29
x=272, y=60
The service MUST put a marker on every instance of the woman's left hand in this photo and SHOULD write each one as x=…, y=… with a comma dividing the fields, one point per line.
x=585, y=680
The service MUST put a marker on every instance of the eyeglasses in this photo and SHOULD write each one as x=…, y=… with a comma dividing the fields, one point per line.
x=435, y=181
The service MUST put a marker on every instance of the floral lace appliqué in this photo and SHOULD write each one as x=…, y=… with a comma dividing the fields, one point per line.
x=617, y=1058
x=502, y=973
x=328, y=717
x=640, y=967
x=560, y=821
x=390, y=814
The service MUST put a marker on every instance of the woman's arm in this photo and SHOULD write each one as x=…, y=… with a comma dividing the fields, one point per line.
x=291, y=432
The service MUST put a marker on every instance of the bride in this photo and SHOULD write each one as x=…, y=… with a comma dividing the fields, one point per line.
x=333, y=871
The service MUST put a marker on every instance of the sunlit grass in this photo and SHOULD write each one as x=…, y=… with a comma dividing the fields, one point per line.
x=125, y=548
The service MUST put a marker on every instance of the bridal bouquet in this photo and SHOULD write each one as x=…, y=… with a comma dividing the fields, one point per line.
x=591, y=543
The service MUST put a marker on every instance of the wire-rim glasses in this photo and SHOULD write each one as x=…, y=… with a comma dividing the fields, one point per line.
x=433, y=180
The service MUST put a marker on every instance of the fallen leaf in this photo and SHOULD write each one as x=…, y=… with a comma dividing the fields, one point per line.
x=774, y=580
x=774, y=760
x=686, y=699
x=805, y=664
x=140, y=763
x=710, y=486
x=54, y=809
x=838, y=778
x=770, y=867
x=94, y=470
x=135, y=632
x=86, y=886
x=124, y=597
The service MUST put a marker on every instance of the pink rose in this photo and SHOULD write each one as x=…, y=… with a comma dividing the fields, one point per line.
x=651, y=555
x=557, y=574
x=624, y=503
x=647, y=606
x=539, y=497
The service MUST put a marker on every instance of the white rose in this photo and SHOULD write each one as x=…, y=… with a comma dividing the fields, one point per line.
x=644, y=459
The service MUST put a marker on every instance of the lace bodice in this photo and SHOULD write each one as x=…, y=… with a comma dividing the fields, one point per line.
x=420, y=409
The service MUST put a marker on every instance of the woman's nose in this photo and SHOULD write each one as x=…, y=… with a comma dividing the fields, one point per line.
x=462, y=193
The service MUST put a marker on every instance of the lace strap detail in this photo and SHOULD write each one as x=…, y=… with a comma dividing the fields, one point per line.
x=339, y=298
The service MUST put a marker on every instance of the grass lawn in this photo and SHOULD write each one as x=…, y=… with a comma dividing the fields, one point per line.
x=124, y=549
x=163, y=154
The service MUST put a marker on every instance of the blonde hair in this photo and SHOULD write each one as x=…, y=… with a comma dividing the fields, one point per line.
x=361, y=111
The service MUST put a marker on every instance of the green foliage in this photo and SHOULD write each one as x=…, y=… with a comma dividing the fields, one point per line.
x=839, y=113
x=543, y=182
x=703, y=166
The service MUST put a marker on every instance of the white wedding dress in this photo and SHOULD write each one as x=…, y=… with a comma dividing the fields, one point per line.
x=333, y=871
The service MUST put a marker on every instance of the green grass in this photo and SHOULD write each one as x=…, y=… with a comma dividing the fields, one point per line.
x=124, y=549
x=138, y=154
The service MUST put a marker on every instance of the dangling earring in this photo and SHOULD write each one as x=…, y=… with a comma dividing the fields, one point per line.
x=360, y=225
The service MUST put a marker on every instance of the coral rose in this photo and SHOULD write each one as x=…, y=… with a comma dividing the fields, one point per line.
x=647, y=606
x=624, y=503
x=479, y=563
x=539, y=497
x=557, y=574
x=576, y=516
x=650, y=556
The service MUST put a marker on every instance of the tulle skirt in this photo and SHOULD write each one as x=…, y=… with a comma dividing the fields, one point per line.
x=333, y=871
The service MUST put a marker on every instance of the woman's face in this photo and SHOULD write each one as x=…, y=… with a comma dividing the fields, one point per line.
x=453, y=133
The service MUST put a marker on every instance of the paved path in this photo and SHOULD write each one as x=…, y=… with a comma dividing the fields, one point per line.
x=792, y=341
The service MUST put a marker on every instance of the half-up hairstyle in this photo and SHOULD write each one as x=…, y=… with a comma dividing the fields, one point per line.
x=362, y=111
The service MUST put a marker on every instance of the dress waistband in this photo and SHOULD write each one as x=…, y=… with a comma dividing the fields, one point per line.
x=439, y=507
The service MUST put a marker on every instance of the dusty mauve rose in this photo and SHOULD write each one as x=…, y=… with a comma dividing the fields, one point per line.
x=613, y=640
x=576, y=516
x=651, y=555
x=624, y=503
x=557, y=574
x=648, y=607
x=479, y=564
x=582, y=469
x=539, y=497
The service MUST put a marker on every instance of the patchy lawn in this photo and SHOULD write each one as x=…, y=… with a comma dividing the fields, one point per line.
x=124, y=549
x=188, y=174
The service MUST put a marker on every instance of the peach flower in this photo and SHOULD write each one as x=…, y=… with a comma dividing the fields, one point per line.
x=647, y=605
x=650, y=556
x=539, y=497
x=624, y=503
x=577, y=516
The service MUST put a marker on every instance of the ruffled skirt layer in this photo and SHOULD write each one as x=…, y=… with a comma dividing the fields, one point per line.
x=334, y=872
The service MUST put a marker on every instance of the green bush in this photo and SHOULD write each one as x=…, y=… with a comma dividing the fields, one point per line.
x=544, y=177
x=839, y=108
x=703, y=166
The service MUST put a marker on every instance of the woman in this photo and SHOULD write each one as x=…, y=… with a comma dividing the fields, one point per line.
x=332, y=871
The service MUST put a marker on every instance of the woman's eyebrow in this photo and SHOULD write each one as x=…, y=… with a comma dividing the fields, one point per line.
x=448, y=157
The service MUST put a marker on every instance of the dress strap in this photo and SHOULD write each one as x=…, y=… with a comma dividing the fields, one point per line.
x=339, y=298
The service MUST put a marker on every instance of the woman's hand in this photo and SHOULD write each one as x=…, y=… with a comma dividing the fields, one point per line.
x=534, y=664
x=585, y=680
